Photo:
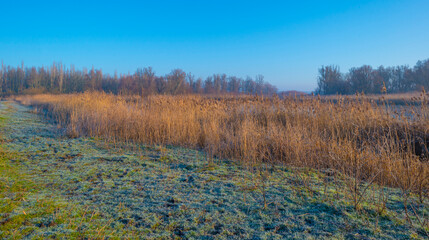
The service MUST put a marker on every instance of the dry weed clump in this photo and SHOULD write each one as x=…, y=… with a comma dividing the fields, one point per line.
x=355, y=136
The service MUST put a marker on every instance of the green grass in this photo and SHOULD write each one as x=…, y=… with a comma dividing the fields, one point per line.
x=25, y=210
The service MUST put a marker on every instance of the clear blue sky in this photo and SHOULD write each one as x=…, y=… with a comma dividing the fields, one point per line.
x=286, y=41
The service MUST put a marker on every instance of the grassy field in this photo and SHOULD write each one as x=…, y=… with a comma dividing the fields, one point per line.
x=106, y=168
x=353, y=136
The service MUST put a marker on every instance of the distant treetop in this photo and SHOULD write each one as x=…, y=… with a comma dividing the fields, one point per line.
x=370, y=80
x=59, y=79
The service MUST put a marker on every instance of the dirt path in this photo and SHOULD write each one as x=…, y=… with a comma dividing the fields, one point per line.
x=171, y=192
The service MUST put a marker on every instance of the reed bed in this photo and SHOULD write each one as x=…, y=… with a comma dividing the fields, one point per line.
x=366, y=141
x=407, y=98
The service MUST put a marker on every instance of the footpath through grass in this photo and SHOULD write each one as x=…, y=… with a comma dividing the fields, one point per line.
x=52, y=186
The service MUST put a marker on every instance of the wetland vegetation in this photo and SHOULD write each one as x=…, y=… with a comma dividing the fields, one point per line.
x=98, y=166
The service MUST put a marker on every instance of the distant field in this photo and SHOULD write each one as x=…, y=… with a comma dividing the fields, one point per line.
x=410, y=98
x=219, y=167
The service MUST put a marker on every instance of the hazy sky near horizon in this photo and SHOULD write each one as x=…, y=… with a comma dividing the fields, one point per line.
x=286, y=41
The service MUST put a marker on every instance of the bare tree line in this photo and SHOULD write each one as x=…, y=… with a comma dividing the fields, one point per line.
x=59, y=79
x=373, y=80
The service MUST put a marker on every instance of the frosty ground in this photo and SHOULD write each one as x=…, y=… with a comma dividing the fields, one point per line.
x=53, y=186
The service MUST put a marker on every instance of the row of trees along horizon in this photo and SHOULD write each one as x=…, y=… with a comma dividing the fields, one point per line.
x=59, y=79
x=370, y=80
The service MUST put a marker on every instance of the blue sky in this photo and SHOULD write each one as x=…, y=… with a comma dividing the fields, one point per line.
x=286, y=41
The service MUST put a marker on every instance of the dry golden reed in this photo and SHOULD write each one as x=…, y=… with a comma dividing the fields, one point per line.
x=351, y=135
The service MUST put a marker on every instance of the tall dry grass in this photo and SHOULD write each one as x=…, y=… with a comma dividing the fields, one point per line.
x=354, y=136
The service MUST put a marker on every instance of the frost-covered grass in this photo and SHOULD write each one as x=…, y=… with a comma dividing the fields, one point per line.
x=53, y=187
x=27, y=208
